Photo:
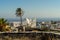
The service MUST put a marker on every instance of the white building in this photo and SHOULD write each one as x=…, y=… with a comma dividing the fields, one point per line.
x=31, y=22
x=16, y=24
x=26, y=23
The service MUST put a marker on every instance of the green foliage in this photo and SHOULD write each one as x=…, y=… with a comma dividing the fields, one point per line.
x=3, y=23
x=44, y=28
x=53, y=22
x=19, y=12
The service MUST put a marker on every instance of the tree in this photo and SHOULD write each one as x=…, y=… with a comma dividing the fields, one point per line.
x=19, y=13
x=3, y=23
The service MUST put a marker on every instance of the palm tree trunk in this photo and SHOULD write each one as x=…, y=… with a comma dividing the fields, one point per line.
x=21, y=21
x=21, y=27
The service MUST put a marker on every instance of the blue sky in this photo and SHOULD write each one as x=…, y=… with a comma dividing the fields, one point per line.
x=31, y=8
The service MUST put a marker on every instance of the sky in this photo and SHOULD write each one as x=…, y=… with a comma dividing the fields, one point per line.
x=31, y=8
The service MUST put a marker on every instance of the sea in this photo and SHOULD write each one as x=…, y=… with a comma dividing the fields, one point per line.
x=37, y=19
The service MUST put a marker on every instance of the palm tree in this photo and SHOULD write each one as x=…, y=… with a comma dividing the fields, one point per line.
x=19, y=13
x=3, y=24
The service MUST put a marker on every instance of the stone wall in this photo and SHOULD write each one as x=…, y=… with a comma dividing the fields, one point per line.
x=27, y=36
